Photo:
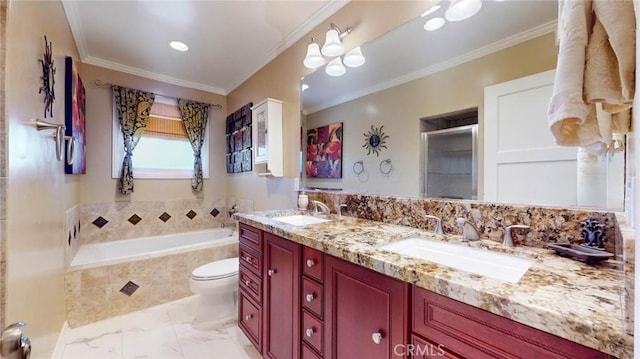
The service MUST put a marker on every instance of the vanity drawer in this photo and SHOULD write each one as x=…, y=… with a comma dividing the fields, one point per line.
x=250, y=320
x=312, y=296
x=308, y=353
x=251, y=259
x=251, y=237
x=251, y=284
x=471, y=332
x=312, y=263
x=312, y=331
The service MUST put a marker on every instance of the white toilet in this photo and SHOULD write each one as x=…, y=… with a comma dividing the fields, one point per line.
x=217, y=284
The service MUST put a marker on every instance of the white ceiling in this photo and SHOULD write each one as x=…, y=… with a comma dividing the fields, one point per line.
x=409, y=52
x=229, y=40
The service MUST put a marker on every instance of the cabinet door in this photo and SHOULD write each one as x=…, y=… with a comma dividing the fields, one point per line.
x=260, y=139
x=282, y=298
x=366, y=313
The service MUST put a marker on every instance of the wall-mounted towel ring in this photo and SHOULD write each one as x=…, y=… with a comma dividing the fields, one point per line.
x=71, y=149
x=386, y=167
x=58, y=134
x=358, y=167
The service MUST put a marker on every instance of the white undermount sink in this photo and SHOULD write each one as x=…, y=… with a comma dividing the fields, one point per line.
x=301, y=220
x=487, y=263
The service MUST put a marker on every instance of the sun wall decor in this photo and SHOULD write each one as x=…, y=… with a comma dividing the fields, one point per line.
x=48, y=78
x=375, y=140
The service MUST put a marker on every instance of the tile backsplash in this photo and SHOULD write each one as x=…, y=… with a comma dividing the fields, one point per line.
x=103, y=222
x=548, y=224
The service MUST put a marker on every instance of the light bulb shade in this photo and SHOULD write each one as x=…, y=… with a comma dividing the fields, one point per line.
x=335, y=67
x=462, y=9
x=314, y=59
x=434, y=24
x=354, y=58
x=332, y=45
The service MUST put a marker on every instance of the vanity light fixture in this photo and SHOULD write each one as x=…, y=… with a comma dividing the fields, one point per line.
x=434, y=24
x=335, y=67
x=354, y=58
x=178, y=45
x=332, y=48
x=462, y=9
x=314, y=58
x=332, y=44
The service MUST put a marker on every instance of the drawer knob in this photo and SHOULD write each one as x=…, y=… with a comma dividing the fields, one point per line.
x=310, y=263
x=247, y=283
x=248, y=259
x=376, y=337
x=310, y=297
x=271, y=272
x=247, y=317
x=309, y=332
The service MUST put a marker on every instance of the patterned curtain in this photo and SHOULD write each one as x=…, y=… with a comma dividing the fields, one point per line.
x=194, y=117
x=133, y=111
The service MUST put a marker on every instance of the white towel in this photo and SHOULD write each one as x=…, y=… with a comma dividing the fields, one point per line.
x=596, y=65
x=567, y=110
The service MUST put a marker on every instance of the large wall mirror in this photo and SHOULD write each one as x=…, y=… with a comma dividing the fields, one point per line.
x=416, y=82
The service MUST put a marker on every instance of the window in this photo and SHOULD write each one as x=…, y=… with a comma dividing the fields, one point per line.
x=163, y=151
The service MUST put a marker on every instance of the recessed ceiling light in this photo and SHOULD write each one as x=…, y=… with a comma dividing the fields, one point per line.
x=430, y=10
x=434, y=24
x=180, y=46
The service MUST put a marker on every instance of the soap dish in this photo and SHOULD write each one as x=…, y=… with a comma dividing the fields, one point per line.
x=578, y=252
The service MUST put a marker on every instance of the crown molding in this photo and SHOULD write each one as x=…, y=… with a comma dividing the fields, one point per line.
x=73, y=18
x=322, y=14
x=458, y=60
x=152, y=75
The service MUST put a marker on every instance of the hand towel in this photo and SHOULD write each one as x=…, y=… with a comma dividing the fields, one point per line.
x=567, y=110
x=589, y=117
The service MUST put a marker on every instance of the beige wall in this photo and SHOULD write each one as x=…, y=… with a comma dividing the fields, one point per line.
x=39, y=192
x=280, y=79
x=399, y=110
x=98, y=184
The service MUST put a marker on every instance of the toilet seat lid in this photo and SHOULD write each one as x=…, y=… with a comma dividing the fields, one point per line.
x=219, y=269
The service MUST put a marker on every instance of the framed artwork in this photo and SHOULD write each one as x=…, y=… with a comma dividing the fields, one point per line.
x=74, y=120
x=324, y=151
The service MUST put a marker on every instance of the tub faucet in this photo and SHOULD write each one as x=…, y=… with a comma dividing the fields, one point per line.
x=438, y=227
x=323, y=207
x=13, y=343
x=507, y=240
x=233, y=210
x=469, y=230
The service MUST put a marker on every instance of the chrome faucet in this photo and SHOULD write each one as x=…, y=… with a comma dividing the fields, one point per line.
x=13, y=343
x=469, y=230
x=323, y=207
x=438, y=228
x=508, y=240
x=340, y=207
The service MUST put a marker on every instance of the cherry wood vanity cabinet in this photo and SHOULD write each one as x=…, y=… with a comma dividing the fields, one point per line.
x=366, y=313
x=458, y=330
x=250, y=284
x=281, y=298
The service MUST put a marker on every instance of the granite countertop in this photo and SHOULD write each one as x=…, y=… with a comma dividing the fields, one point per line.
x=579, y=302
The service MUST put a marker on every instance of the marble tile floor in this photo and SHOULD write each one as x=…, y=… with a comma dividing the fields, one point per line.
x=160, y=332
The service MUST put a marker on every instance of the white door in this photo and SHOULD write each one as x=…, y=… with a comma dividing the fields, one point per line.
x=522, y=163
